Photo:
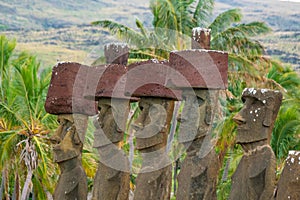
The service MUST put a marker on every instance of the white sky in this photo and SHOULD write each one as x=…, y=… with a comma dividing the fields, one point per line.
x=291, y=0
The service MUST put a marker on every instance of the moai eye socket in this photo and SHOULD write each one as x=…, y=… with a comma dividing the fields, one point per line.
x=200, y=101
x=141, y=107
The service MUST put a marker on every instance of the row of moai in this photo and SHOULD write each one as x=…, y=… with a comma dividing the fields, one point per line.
x=192, y=76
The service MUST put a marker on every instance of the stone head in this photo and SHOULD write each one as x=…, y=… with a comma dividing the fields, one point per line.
x=69, y=147
x=197, y=115
x=113, y=114
x=256, y=119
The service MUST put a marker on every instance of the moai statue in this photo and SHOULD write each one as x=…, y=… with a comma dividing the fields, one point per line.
x=65, y=99
x=254, y=177
x=199, y=74
x=146, y=80
x=106, y=85
x=289, y=183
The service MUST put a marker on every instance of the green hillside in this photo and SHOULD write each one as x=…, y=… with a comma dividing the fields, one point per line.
x=60, y=30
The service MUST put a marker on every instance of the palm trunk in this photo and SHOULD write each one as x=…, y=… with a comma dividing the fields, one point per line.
x=226, y=169
x=173, y=126
x=16, y=192
x=176, y=167
x=26, y=187
x=4, y=185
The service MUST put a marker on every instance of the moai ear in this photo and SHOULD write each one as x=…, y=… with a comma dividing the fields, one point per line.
x=269, y=112
x=76, y=138
x=208, y=110
x=208, y=114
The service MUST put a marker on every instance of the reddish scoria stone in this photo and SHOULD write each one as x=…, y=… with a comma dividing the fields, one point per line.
x=198, y=68
x=148, y=78
x=65, y=93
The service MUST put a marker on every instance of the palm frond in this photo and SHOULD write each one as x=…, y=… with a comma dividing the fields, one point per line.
x=203, y=12
x=123, y=32
x=140, y=25
x=225, y=20
x=285, y=133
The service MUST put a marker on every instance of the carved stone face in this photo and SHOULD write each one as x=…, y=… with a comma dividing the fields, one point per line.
x=69, y=136
x=112, y=119
x=256, y=119
x=196, y=115
x=69, y=147
x=151, y=124
x=250, y=122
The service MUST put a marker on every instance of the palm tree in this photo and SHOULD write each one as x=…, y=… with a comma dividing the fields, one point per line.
x=287, y=127
x=25, y=124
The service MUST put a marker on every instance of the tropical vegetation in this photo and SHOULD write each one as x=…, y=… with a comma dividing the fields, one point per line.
x=26, y=161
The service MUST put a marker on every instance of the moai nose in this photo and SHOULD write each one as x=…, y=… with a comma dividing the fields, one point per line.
x=238, y=118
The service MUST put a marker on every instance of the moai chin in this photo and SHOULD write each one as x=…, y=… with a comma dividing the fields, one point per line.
x=65, y=99
x=254, y=177
x=106, y=86
x=146, y=80
x=199, y=73
x=289, y=182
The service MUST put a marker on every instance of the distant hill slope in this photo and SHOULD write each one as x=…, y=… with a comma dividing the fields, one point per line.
x=42, y=14
x=56, y=29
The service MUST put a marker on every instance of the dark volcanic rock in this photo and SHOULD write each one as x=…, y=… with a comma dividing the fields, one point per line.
x=289, y=182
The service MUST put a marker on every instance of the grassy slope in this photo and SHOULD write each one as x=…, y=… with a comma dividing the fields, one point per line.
x=58, y=30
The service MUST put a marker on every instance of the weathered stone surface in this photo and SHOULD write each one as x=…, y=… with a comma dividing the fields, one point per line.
x=106, y=81
x=116, y=53
x=152, y=127
x=199, y=172
x=72, y=183
x=289, y=183
x=112, y=179
x=68, y=143
x=147, y=79
x=65, y=93
x=111, y=182
x=254, y=177
x=111, y=121
x=198, y=68
x=198, y=176
x=257, y=117
x=197, y=114
x=201, y=38
x=154, y=185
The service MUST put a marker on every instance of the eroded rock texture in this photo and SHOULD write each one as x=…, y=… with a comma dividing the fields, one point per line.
x=199, y=171
x=152, y=126
x=116, y=53
x=65, y=93
x=65, y=99
x=254, y=177
x=289, y=183
x=68, y=144
x=199, y=73
x=147, y=80
x=112, y=179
